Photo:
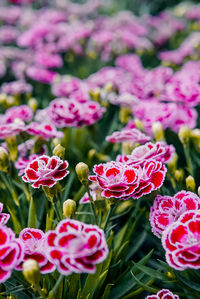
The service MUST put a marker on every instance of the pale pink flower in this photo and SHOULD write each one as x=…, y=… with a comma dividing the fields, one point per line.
x=43, y=130
x=16, y=87
x=76, y=247
x=23, y=112
x=13, y=129
x=41, y=74
x=132, y=136
x=4, y=217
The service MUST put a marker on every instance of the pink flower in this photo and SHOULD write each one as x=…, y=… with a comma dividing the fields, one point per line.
x=167, y=209
x=66, y=86
x=12, y=129
x=128, y=135
x=116, y=179
x=76, y=247
x=4, y=217
x=163, y=294
x=181, y=241
x=85, y=198
x=41, y=74
x=22, y=112
x=23, y=162
x=34, y=248
x=11, y=252
x=48, y=60
x=65, y=112
x=45, y=171
x=159, y=151
x=16, y=87
x=44, y=130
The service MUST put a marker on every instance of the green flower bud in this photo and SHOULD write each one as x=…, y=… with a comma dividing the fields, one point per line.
x=190, y=183
x=69, y=208
x=31, y=271
x=184, y=134
x=124, y=114
x=82, y=172
x=139, y=124
x=33, y=104
x=59, y=151
x=157, y=130
x=4, y=161
x=179, y=175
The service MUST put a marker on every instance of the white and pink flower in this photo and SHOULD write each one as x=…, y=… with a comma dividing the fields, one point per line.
x=163, y=294
x=43, y=130
x=76, y=247
x=167, y=209
x=4, y=217
x=45, y=171
x=132, y=136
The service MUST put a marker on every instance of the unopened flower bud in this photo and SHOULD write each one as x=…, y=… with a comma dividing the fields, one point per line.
x=108, y=87
x=31, y=271
x=179, y=175
x=11, y=101
x=95, y=94
x=184, y=134
x=190, y=183
x=4, y=161
x=3, y=98
x=69, y=208
x=139, y=124
x=157, y=130
x=82, y=172
x=172, y=164
x=33, y=104
x=125, y=114
x=59, y=151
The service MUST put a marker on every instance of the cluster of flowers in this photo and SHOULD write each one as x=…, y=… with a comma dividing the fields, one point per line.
x=177, y=220
x=73, y=247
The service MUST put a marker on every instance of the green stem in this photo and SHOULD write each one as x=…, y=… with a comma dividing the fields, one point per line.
x=49, y=218
x=188, y=159
x=53, y=291
x=92, y=205
x=32, y=214
x=108, y=216
x=40, y=292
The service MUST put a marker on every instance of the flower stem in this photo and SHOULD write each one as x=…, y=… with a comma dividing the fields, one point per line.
x=92, y=205
x=53, y=291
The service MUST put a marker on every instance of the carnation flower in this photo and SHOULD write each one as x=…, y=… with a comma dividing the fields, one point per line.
x=158, y=151
x=48, y=60
x=11, y=252
x=181, y=241
x=4, y=217
x=76, y=247
x=128, y=135
x=163, y=294
x=13, y=129
x=167, y=209
x=23, y=162
x=65, y=112
x=123, y=181
x=22, y=112
x=16, y=87
x=33, y=241
x=45, y=171
x=44, y=130
x=41, y=74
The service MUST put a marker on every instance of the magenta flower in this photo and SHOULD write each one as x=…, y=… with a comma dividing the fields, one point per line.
x=167, y=209
x=43, y=130
x=13, y=129
x=76, y=247
x=128, y=135
x=11, y=252
x=181, y=241
x=66, y=86
x=23, y=112
x=23, y=162
x=4, y=217
x=48, y=60
x=159, y=151
x=65, y=112
x=45, y=171
x=33, y=241
x=116, y=179
x=163, y=294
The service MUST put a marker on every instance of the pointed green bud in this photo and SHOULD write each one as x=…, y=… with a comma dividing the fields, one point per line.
x=190, y=183
x=31, y=271
x=69, y=208
x=82, y=172
x=184, y=134
x=157, y=130
x=59, y=151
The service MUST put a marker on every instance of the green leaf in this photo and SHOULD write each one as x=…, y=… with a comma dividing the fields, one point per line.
x=188, y=282
x=32, y=214
x=145, y=286
x=106, y=293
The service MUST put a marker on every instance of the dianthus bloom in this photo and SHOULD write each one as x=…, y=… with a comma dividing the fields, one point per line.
x=167, y=209
x=123, y=181
x=22, y=163
x=163, y=294
x=23, y=112
x=65, y=112
x=13, y=129
x=181, y=241
x=34, y=248
x=44, y=130
x=11, y=252
x=41, y=74
x=16, y=87
x=128, y=135
x=45, y=171
x=76, y=247
x=158, y=151
x=4, y=217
